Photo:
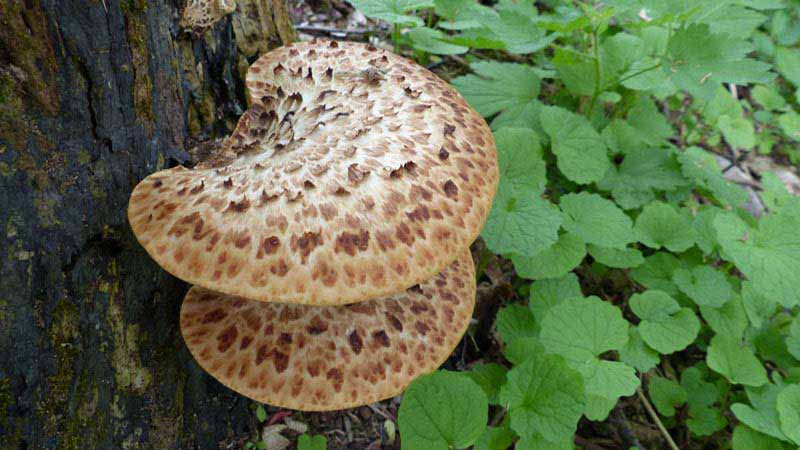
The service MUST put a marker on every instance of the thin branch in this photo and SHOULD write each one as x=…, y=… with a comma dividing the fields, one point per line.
x=654, y=415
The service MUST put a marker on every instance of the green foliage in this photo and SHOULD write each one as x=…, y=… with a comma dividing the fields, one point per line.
x=309, y=442
x=443, y=410
x=635, y=261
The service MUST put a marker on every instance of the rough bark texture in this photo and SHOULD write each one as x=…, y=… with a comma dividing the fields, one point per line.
x=94, y=95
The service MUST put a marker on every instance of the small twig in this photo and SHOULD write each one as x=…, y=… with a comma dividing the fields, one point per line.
x=625, y=430
x=654, y=415
x=497, y=418
x=583, y=442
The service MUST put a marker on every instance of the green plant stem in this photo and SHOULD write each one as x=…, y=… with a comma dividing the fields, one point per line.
x=654, y=415
x=596, y=51
x=639, y=72
x=396, y=37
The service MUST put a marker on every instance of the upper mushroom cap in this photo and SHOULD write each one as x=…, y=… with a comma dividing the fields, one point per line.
x=320, y=358
x=355, y=174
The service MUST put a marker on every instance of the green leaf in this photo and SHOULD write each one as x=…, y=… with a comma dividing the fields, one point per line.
x=596, y=220
x=758, y=305
x=545, y=294
x=580, y=330
x=645, y=117
x=261, y=413
x=788, y=62
x=665, y=326
x=775, y=195
x=722, y=104
x=442, y=410
x=522, y=169
x=703, y=225
x=308, y=442
x=701, y=394
x=730, y=320
x=544, y=396
x=521, y=226
x=789, y=412
x=392, y=11
x=728, y=357
x=768, y=255
x=767, y=97
x=521, y=349
x=745, y=438
x=580, y=152
x=637, y=354
x=660, y=225
x=619, y=259
x=734, y=21
x=606, y=382
x=793, y=340
x=642, y=171
x=656, y=272
x=461, y=14
x=433, y=41
x=790, y=124
x=497, y=86
x=552, y=262
x=515, y=321
x=705, y=285
x=700, y=59
x=666, y=395
x=622, y=137
x=576, y=70
x=738, y=132
x=762, y=416
x=706, y=421
x=496, y=438
x=700, y=166
x=517, y=31
x=489, y=377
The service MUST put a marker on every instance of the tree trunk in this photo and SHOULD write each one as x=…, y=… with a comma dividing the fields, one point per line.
x=95, y=95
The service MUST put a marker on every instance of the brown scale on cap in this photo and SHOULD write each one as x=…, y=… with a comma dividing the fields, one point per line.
x=319, y=358
x=355, y=174
x=200, y=15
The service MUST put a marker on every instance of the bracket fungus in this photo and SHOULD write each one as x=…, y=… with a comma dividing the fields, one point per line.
x=335, y=187
x=319, y=358
x=328, y=237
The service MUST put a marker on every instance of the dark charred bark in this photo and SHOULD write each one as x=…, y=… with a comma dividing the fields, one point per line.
x=95, y=95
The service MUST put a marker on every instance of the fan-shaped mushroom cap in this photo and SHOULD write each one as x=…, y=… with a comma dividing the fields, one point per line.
x=355, y=174
x=199, y=15
x=319, y=358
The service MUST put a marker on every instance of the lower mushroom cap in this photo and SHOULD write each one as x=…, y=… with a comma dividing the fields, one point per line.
x=322, y=358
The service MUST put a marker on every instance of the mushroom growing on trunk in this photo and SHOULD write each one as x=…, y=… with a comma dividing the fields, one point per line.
x=354, y=175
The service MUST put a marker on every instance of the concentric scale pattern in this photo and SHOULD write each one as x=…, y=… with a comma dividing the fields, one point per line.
x=316, y=358
x=355, y=174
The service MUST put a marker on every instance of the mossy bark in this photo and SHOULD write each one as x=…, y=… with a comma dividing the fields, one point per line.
x=95, y=95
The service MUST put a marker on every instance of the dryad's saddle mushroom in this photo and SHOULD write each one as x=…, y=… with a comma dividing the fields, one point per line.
x=355, y=174
x=328, y=236
x=330, y=357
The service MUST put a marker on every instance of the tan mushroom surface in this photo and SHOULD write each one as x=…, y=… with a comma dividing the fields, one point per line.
x=355, y=174
x=200, y=15
x=320, y=358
